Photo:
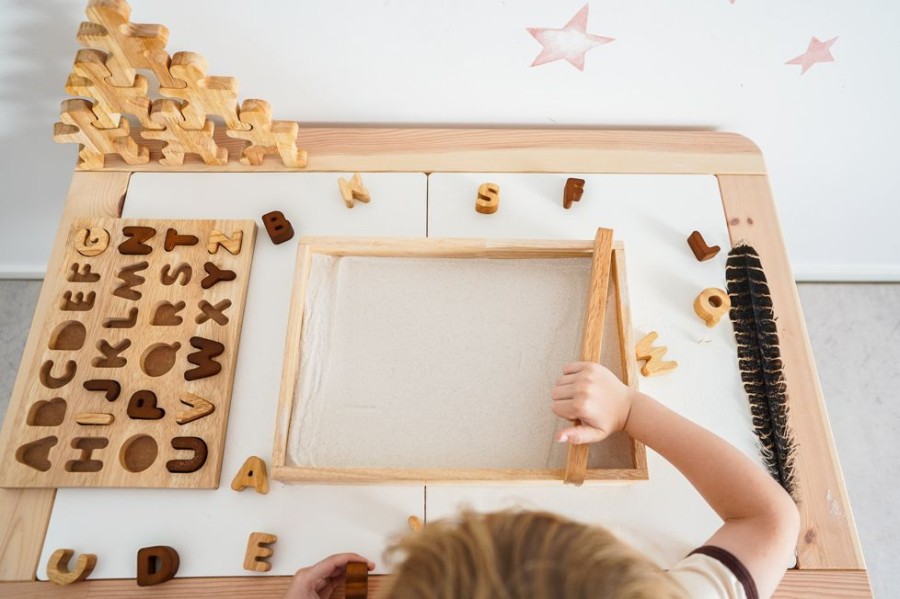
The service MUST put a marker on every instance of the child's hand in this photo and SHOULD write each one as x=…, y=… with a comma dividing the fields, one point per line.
x=318, y=581
x=591, y=393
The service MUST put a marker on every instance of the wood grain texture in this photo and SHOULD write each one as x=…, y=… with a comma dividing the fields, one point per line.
x=797, y=584
x=512, y=150
x=626, y=342
x=828, y=537
x=26, y=512
x=591, y=338
x=283, y=470
x=147, y=360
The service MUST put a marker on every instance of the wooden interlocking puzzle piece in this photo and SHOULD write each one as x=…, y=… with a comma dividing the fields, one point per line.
x=652, y=356
x=701, y=251
x=267, y=136
x=353, y=190
x=231, y=244
x=109, y=387
x=79, y=301
x=95, y=418
x=278, y=227
x=572, y=192
x=214, y=312
x=214, y=274
x=49, y=412
x=711, y=305
x=90, y=78
x=81, y=274
x=156, y=565
x=58, y=571
x=488, y=199
x=110, y=354
x=173, y=240
x=36, y=453
x=130, y=45
x=179, y=140
x=252, y=474
x=195, y=462
x=258, y=551
x=199, y=408
x=207, y=349
x=77, y=126
x=130, y=280
x=357, y=580
x=203, y=95
x=122, y=323
x=134, y=241
x=142, y=406
x=53, y=382
x=85, y=462
x=181, y=273
x=166, y=314
x=91, y=242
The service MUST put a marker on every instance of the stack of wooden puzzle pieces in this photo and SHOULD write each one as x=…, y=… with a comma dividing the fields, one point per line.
x=106, y=72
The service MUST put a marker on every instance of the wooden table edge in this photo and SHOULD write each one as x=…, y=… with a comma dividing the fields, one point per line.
x=797, y=584
x=829, y=540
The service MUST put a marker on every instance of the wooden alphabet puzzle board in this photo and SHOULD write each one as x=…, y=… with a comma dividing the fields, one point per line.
x=132, y=385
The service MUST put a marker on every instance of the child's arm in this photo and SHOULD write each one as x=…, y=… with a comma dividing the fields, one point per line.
x=761, y=520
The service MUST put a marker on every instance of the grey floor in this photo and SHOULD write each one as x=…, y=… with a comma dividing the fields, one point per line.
x=855, y=333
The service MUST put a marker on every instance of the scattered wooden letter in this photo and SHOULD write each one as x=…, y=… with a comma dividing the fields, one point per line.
x=58, y=567
x=711, y=305
x=652, y=356
x=258, y=551
x=572, y=192
x=701, y=251
x=488, y=199
x=156, y=565
x=353, y=190
x=252, y=474
x=278, y=227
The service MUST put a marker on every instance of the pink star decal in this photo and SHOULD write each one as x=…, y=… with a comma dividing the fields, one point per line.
x=570, y=43
x=816, y=52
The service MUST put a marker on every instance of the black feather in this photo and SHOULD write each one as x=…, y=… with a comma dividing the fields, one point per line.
x=759, y=358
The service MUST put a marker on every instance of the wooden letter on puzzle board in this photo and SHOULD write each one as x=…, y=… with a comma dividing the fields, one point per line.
x=105, y=396
x=300, y=455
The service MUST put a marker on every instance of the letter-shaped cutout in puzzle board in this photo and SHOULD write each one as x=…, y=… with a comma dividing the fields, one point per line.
x=131, y=384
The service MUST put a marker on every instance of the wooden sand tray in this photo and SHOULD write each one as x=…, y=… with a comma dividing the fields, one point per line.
x=322, y=444
x=133, y=383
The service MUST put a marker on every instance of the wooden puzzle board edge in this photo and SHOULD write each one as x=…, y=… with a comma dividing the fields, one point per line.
x=830, y=561
x=130, y=316
x=309, y=247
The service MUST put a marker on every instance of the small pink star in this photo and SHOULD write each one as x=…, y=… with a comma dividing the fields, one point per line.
x=816, y=52
x=570, y=43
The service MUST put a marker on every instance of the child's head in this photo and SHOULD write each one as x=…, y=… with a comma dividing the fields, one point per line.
x=516, y=554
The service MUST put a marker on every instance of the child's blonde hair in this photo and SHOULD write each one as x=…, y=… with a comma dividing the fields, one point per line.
x=518, y=554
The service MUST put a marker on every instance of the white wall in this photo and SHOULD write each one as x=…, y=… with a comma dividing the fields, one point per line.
x=826, y=135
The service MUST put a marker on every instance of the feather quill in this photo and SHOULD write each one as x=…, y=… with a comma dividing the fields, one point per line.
x=759, y=358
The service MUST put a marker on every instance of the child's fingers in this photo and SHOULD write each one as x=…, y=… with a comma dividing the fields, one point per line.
x=567, y=379
x=574, y=367
x=564, y=408
x=561, y=392
x=578, y=435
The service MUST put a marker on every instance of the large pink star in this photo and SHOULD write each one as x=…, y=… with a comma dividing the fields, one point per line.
x=570, y=43
x=816, y=52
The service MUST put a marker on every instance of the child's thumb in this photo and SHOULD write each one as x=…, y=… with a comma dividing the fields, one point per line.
x=578, y=435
